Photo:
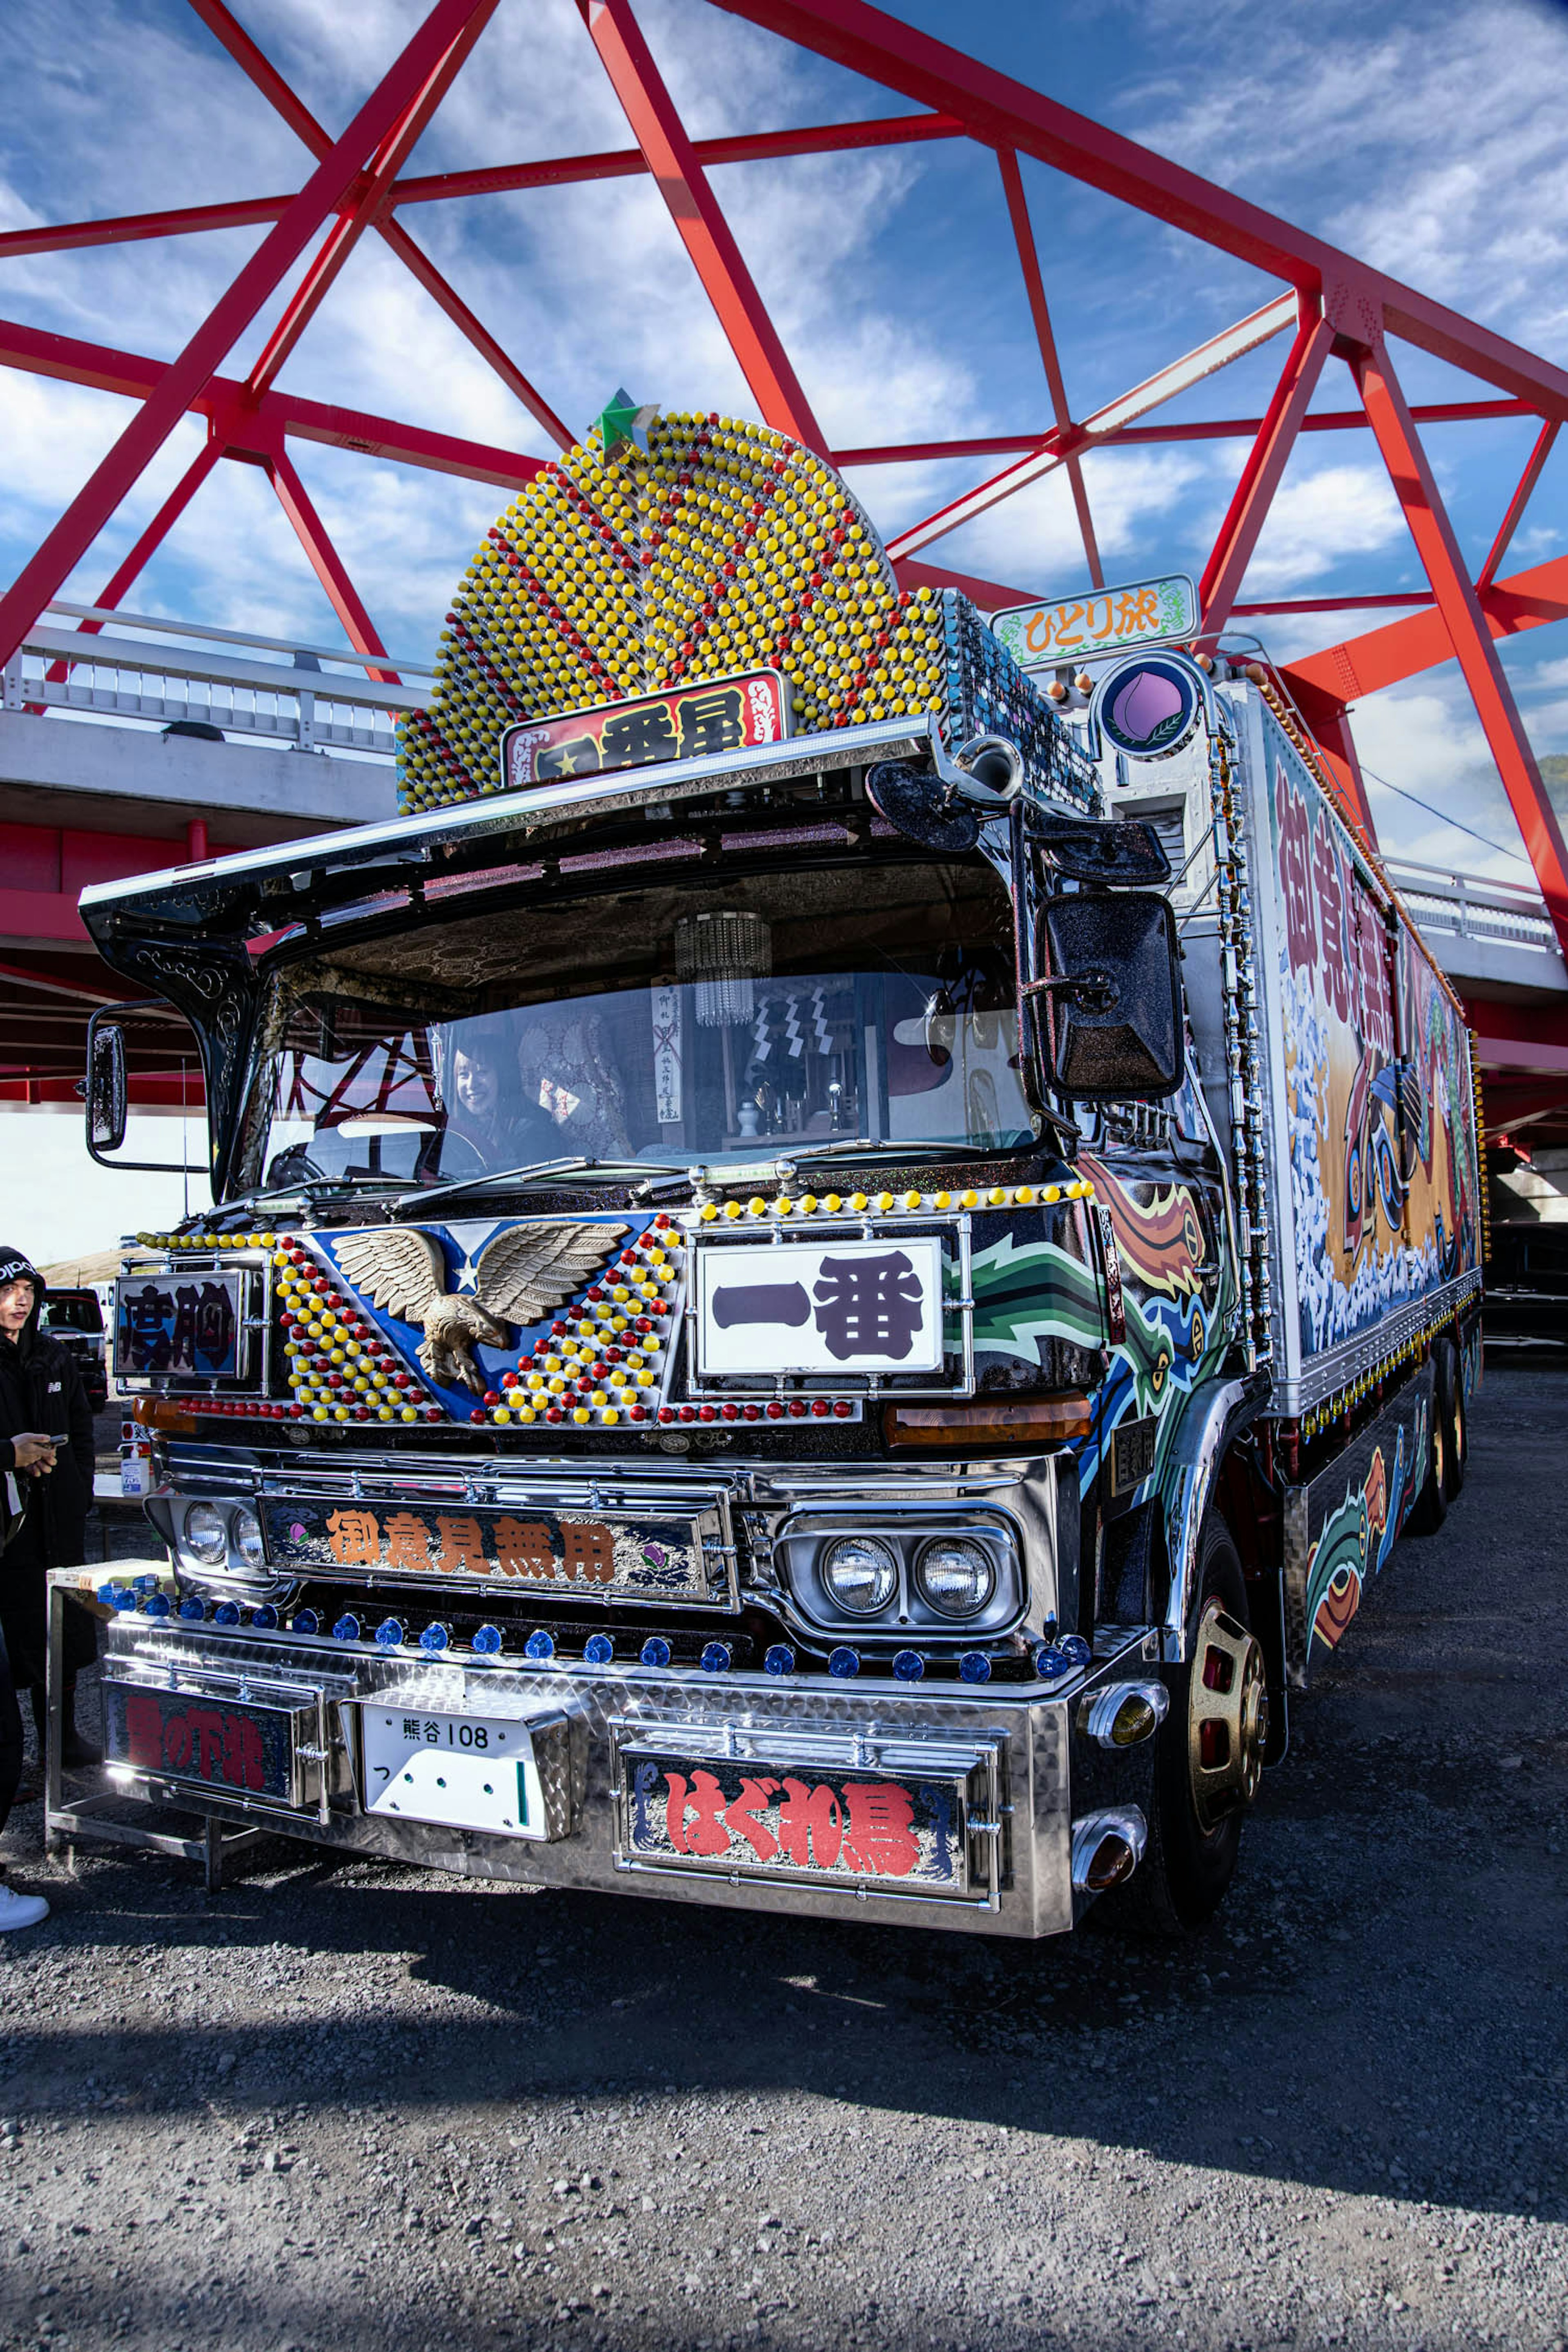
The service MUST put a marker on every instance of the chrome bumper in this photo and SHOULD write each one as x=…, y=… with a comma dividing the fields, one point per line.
x=1015, y=1757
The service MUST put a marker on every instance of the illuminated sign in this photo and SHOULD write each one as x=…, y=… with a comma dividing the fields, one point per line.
x=1102, y=621
x=699, y=721
x=1148, y=709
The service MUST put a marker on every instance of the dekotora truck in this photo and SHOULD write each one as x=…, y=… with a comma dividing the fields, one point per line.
x=833, y=1261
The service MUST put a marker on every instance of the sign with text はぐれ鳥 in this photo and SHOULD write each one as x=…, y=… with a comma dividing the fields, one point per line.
x=1045, y=636
x=702, y=720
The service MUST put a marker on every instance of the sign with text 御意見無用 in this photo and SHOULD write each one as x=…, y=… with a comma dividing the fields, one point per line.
x=701, y=721
x=1100, y=621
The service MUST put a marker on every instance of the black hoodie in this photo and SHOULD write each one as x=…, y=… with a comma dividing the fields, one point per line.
x=41, y=1391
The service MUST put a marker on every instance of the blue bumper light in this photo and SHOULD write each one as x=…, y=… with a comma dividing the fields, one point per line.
x=348, y=1628
x=974, y=1666
x=389, y=1634
x=227, y=1613
x=193, y=1611
x=1051, y=1662
x=598, y=1649
x=539, y=1646
x=486, y=1642
x=716, y=1658
x=1075, y=1650
x=264, y=1618
x=780, y=1659
x=656, y=1651
x=119, y=1596
x=844, y=1661
x=158, y=1604
x=434, y=1639
x=305, y=1621
x=145, y=1583
x=909, y=1666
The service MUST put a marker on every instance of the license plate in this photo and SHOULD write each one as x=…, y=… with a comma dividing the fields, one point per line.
x=466, y=1771
x=793, y=1821
x=242, y=1749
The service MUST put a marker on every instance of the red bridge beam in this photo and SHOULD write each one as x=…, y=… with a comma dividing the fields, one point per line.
x=703, y=230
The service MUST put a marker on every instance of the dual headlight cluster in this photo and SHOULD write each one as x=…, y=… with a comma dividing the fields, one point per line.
x=222, y=1536
x=903, y=1571
x=953, y=1575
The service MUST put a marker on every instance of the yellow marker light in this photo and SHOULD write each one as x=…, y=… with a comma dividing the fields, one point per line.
x=1052, y=1192
x=1025, y=1195
x=884, y=1201
x=320, y=1412
x=340, y=1413
x=941, y=1200
x=997, y=1196
x=527, y=1413
x=708, y=1212
x=618, y=1379
x=833, y=1205
x=502, y=1412
x=859, y=1201
x=807, y=1204
x=580, y=1414
x=733, y=1209
x=557, y=1388
x=912, y=1200
x=617, y=1322
x=757, y=1205
x=609, y=1417
x=969, y=1200
x=645, y=1379
x=783, y=1205
x=410, y=1413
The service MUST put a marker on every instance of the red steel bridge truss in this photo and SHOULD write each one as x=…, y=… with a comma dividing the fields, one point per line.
x=1330, y=307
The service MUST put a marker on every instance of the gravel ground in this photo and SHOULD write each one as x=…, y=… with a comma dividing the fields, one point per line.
x=343, y=2105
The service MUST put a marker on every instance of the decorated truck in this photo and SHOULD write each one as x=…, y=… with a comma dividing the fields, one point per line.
x=834, y=1259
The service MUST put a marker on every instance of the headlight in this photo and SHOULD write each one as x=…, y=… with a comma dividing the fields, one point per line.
x=861, y=1574
x=954, y=1575
x=206, y=1534
x=248, y=1539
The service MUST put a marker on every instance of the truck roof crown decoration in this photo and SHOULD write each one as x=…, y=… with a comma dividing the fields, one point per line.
x=724, y=557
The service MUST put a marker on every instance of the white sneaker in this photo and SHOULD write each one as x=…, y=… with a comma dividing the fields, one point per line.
x=20, y=1910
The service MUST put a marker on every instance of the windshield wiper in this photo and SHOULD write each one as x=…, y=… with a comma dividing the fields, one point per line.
x=534, y=1173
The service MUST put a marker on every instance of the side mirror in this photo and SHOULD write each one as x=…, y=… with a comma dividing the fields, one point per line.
x=108, y=1094
x=1109, y=1003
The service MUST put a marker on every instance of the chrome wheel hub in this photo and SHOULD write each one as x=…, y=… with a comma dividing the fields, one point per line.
x=1227, y=1716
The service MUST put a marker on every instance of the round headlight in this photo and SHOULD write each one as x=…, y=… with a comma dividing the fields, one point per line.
x=248, y=1539
x=206, y=1534
x=861, y=1574
x=954, y=1575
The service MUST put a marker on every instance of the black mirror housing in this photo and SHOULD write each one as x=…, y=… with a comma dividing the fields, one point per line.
x=1109, y=999
x=108, y=1093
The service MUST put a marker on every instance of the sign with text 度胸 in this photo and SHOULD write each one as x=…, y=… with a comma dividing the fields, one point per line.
x=1100, y=621
x=701, y=721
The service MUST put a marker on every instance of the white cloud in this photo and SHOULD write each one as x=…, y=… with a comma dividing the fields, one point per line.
x=56, y=1202
x=1317, y=520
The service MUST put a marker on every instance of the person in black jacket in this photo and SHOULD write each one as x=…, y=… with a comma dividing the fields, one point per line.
x=46, y=1443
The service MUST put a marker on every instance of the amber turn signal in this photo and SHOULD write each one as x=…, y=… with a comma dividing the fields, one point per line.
x=1011, y=1424
x=159, y=1412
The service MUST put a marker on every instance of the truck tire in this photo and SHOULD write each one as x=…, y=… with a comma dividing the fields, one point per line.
x=1208, y=1753
x=1455, y=1419
x=1431, y=1505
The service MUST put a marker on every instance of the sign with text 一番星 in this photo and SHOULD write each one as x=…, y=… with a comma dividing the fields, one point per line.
x=699, y=720
x=1100, y=621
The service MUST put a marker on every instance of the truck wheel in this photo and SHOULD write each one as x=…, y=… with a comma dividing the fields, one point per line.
x=1431, y=1505
x=1455, y=1425
x=1209, y=1752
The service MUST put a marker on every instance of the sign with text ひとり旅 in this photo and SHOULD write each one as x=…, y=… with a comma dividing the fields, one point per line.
x=701, y=721
x=1100, y=621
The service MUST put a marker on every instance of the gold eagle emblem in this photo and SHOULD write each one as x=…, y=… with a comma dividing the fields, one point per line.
x=520, y=1276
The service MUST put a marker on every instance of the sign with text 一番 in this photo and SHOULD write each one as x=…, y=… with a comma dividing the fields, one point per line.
x=1100, y=621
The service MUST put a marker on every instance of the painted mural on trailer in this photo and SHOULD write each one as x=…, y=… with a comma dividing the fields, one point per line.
x=1382, y=1140
x=1352, y=1535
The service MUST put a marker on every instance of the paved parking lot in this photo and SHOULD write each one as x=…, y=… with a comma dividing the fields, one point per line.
x=343, y=2105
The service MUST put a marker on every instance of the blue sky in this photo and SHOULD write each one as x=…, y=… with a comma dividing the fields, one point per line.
x=1430, y=138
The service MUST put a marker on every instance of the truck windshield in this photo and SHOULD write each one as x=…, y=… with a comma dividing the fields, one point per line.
x=698, y=1019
